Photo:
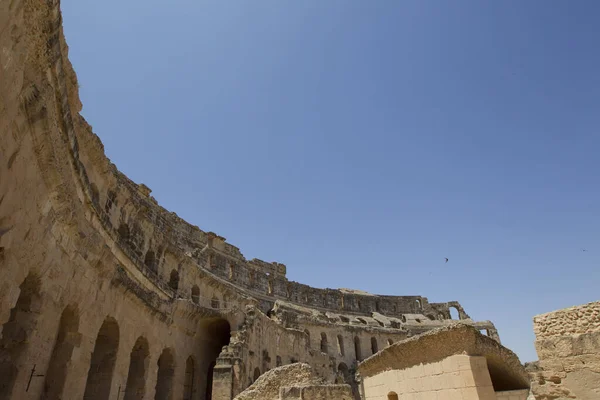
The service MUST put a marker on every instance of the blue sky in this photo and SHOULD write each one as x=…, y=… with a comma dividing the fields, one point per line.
x=361, y=142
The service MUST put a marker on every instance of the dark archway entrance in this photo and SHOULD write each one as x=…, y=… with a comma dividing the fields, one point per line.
x=166, y=372
x=217, y=334
x=209, y=380
x=100, y=374
x=138, y=365
x=189, y=386
x=66, y=341
x=16, y=332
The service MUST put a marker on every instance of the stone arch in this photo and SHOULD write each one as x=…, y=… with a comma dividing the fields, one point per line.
x=174, y=280
x=418, y=304
x=256, y=374
x=67, y=339
x=209, y=379
x=150, y=261
x=164, y=377
x=16, y=331
x=392, y=396
x=124, y=233
x=357, y=349
x=340, y=343
x=217, y=333
x=343, y=374
x=454, y=314
x=374, y=347
x=196, y=294
x=214, y=303
x=324, y=345
x=138, y=368
x=188, y=385
x=102, y=365
x=308, y=337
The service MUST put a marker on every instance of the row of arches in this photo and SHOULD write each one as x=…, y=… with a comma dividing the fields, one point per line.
x=18, y=330
x=324, y=345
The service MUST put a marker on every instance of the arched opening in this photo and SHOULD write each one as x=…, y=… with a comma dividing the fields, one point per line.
x=150, y=261
x=362, y=321
x=308, y=337
x=188, y=385
x=343, y=374
x=484, y=331
x=454, y=313
x=66, y=341
x=323, y=342
x=418, y=304
x=100, y=374
x=138, y=366
x=215, y=334
x=256, y=374
x=214, y=303
x=174, y=280
x=123, y=233
x=340, y=343
x=278, y=362
x=374, y=348
x=357, y=349
x=164, y=377
x=390, y=342
x=392, y=396
x=431, y=317
x=196, y=294
x=15, y=333
x=209, y=379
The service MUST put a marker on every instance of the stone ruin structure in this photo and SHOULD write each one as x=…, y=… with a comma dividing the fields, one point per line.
x=455, y=362
x=106, y=295
x=568, y=348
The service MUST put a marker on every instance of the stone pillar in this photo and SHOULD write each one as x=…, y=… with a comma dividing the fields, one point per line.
x=121, y=370
x=79, y=366
x=222, y=380
x=152, y=373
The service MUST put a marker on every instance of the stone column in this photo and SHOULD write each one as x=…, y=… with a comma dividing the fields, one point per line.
x=223, y=380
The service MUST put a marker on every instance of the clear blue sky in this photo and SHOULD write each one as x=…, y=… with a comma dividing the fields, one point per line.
x=361, y=142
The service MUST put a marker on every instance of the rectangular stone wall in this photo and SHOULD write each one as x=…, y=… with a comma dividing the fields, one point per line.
x=459, y=377
x=568, y=347
x=569, y=321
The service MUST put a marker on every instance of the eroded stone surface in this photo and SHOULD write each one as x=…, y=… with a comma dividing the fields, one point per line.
x=568, y=347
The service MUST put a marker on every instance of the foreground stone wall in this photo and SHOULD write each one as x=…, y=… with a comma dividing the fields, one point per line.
x=568, y=348
x=456, y=377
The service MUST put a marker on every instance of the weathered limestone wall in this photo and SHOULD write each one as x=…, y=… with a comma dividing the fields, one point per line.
x=568, y=348
x=455, y=377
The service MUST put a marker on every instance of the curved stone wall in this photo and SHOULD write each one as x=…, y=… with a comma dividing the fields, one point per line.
x=103, y=291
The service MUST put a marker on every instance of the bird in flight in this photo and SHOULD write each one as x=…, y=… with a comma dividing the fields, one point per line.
x=583, y=249
x=446, y=258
